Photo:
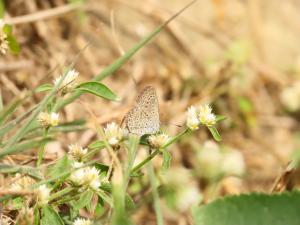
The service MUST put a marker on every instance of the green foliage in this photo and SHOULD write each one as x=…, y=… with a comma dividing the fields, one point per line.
x=129, y=203
x=96, y=145
x=84, y=199
x=17, y=203
x=44, y=87
x=166, y=160
x=101, y=167
x=31, y=171
x=220, y=118
x=245, y=105
x=251, y=209
x=97, y=89
x=2, y=8
x=50, y=217
x=213, y=130
x=13, y=45
x=25, y=145
x=36, y=220
x=62, y=165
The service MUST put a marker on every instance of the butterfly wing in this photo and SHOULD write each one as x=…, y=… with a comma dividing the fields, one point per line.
x=143, y=118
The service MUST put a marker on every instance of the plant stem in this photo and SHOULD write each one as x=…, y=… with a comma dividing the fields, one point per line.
x=42, y=150
x=177, y=137
x=157, y=208
x=141, y=164
x=61, y=193
x=153, y=154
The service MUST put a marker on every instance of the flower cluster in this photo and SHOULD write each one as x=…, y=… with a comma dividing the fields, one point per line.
x=81, y=221
x=201, y=115
x=43, y=193
x=183, y=196
x=86, y=176
x=114, y=134
x=214, y=162
x=69, y=82
x=77, y=152
x=22, y=183
x=158, y=140
x=48, y=119
x=3, y=39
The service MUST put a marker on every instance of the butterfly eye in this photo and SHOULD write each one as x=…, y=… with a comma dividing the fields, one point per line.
x=143, y=118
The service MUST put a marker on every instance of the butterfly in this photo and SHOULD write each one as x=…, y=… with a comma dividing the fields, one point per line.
x=143, y=118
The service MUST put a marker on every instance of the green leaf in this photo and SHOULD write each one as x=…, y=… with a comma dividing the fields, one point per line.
x=220, y=118
x=213, y=130
x=25, y=145
x=44, y=87
x=7, y=29
x=84, y=200
x=144, y=139
x=105, y=197
x=129, y=203
x=166, y=160
x=62, y=165
x=245, y=105
x=36, y=216
x=137, y=174
x=17, y=203
x=251, y=209
x=33, y=172
x=97, y=89
x=13, y=45
x=99, y=210
x=96, y=145
x=50, y=217
x=101, y=167
x=2, y=8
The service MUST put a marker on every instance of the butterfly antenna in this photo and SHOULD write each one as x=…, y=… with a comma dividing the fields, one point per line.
x=166, y=124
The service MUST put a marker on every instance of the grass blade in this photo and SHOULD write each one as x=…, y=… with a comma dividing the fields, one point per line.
x=7, y=111
x=153, y=183
x=25, y=145
x=41, y=106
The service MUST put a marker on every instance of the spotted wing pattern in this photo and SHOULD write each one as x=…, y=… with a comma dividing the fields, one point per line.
x=143, y=118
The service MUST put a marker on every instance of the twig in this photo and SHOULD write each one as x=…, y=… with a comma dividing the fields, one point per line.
x=15, y=192
x=42, y=15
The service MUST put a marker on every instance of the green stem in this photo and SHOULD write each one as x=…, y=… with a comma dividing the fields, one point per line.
x=145, y=161
x=157, y=151
x=61, y=193
x=91, y=153
x=132, y=150
x=176, y=138
x=42, y=150
x=157, y=208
